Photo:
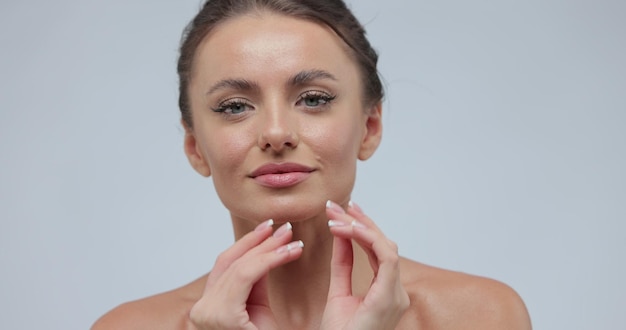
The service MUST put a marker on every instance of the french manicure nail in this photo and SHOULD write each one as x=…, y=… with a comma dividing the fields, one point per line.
x=334, y=206
x=291, y=246
x=283, y=230
x=264, y=225
x=336, y=223
x=354, y=206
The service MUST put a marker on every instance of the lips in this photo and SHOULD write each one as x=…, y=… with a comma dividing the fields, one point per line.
x=281, y=175
x=281, y=168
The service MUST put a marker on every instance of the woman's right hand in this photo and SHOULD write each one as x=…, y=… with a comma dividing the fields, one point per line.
x=235, y=296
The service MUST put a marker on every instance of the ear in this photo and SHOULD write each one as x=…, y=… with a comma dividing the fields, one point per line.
x=373, y=132
x=194, y=155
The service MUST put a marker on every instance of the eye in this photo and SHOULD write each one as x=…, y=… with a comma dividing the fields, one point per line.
x=233, y=107
x=315, y=99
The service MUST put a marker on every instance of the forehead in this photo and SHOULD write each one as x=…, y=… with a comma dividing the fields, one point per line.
x=266, y=45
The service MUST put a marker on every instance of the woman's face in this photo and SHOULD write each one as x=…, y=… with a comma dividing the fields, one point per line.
x=278, y=117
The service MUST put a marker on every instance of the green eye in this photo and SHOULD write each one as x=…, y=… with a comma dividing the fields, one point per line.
x=236, y=108
x=233, y=107
x=315, y=99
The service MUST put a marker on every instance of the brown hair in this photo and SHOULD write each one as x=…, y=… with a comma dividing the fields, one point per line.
x=332, y=13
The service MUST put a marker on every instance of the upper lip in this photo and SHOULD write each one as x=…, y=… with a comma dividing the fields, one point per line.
x=279, y=168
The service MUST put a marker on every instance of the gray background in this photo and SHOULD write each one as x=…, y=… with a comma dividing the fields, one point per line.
x=503, y=155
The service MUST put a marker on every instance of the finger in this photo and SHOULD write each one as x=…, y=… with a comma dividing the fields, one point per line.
x=268, y=242
x=265, y=256
x=383, y=256
x=380, y=250
x=345, y=230
x=341, y=268
x=258, y=306
x=258, y=294
x=355, y=211
x=386, y=291
x=236, y=283
x=282, y=235
x=341, y=218
x=239, y=279
x=231, y=292
x=243, y=245
x=386, y=299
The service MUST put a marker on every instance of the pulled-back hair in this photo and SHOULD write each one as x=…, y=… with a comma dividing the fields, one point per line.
x=332, y=13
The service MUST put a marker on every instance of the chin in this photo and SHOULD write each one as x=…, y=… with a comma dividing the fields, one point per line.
x=284, y=209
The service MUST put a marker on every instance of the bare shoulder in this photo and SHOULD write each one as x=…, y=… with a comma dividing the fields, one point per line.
x=443, y=299
x=169, y=310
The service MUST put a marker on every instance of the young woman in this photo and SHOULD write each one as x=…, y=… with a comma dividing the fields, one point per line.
x=279, y=99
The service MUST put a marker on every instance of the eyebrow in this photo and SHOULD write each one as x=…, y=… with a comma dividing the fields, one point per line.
x=304, y=77
x=236, y=84
x=301, y=78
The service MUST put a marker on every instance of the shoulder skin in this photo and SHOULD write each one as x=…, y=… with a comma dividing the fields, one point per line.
x=166, y=311
x=440, y=299
x=443, y=299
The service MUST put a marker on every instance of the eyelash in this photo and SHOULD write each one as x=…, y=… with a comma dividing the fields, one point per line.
x=324, y=97
x=226, y=107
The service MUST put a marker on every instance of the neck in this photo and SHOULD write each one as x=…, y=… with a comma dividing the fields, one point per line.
x=299, y=289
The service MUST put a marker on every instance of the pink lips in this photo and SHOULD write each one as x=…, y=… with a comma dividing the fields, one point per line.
x=281, y=175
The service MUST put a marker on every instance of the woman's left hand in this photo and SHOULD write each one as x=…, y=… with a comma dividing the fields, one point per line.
x=386, y=300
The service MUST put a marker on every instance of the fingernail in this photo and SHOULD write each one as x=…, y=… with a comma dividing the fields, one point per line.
x=291, y=246
x=357, y=224
x=355, y=207
x=264, y=225
x=336, y=223
x=334, y=206
x=283, y=230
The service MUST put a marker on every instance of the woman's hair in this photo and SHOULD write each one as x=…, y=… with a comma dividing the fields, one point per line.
x=332, y=13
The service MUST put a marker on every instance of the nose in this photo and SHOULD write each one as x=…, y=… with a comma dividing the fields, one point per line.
x=277, y=132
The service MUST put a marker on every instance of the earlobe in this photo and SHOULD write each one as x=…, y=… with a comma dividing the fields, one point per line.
x=194, y=155
x=373, y=132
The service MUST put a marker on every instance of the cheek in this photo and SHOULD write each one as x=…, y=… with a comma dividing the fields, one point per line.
x=225, y=150
x=336, y=142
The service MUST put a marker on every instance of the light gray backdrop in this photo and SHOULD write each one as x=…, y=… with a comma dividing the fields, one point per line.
x=504, y=154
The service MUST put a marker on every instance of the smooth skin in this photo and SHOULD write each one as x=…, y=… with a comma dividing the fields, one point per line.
x=273, y=89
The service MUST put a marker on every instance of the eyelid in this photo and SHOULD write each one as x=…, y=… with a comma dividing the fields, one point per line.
x=231, y=101
x=315, y=92
x=225, y=108
x=323, y=95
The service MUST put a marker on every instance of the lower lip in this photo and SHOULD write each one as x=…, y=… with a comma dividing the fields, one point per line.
x=282, y=180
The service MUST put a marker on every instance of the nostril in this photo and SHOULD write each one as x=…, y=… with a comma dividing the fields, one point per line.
x=278, y=141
